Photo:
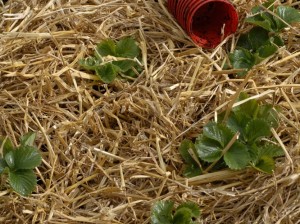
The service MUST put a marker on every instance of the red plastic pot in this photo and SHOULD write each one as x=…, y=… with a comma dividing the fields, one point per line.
x=207, y=22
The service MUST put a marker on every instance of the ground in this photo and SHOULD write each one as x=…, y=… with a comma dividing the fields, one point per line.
x=111, y=150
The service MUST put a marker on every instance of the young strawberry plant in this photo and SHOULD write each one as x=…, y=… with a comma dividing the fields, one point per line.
x=18, y=163
x=241, y=140
x=111, y=59
x=163, y=213
x=263, y=40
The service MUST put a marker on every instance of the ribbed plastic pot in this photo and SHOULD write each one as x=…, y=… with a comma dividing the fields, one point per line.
x=207, y=22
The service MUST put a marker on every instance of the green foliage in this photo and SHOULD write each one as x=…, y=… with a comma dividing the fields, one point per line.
x=288, y=14
x=26, y=157
x=105, y=48
x=242, y=59
x=218, y=144
x=127, y=48
x=218, y=132
x=257, y=129
x=208, y=149
x=22, y=181
x=112, y=59
x=28, y=139
x=107, y=72
x=3, y=165
x=191, y=168
x=162, y=213
x=285, y=16
x=263, y=40
x=19, y=163
x=237, y=157
x=6, y=145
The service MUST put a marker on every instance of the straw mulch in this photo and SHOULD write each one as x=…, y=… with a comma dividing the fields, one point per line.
x=110, y=151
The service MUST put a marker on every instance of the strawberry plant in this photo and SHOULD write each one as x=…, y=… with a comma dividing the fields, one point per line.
x=111, y=59
x=241, y=140
x=263, y=40
x=163, y=213
x=18, y=163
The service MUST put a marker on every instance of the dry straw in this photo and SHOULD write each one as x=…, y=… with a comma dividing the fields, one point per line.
x=111, y=151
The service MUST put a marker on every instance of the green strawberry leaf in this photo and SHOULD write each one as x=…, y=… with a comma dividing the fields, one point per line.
x=254, y=39
x=237, y=157
x=105, y=48
x=256, y=129
x=7, y=145
x=218, y=132
x=207, y=149
x=124, y=65
x=244, y=42
x=162, y=212
x=288, y=14
x=127, y=48
x=134, y=71
x=184, y=151
x=192, y=170
x=10, y=160
x=107, y=72
x=264, y=161
x=259, y=20
x=277, y=40
x=220, y=165
x=90, y=63
x=28, y=139
x=267, y=50
x=3, y=165
x=269, y=5
x=265, y=164
x=258, y=37
x=234, y=122
x=265, y=19
x=269, y=114
x=241, y=116
x=271, y=150
x=254, y=153
x=258, y=42
x=182, y=216
x=26, y=157
x=22, y=181
x=194, y=208
x=131, y=73
x=243, y=96
x=269, y=17
x=271, y=23
x=242, y=59
x=237, y=121
x=250, y=107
